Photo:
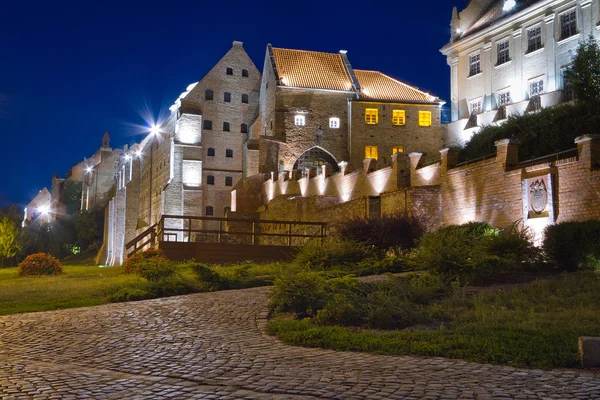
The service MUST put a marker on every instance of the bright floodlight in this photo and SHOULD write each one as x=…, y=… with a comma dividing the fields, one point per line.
x=45, y=209
x=89, y=169
x=127, y=157
x=155, y=130
x=139, y=154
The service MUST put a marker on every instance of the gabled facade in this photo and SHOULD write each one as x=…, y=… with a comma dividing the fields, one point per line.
x=189, y=165
x=507, y=57
x=39, y=207
x=316, y=109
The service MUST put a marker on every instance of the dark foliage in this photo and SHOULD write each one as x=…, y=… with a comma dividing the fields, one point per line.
x=573, y=245
x=548, y=131
x=395, y=231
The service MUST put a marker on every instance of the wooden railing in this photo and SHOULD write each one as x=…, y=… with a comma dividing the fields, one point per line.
x=148, y=237
x=173, y=228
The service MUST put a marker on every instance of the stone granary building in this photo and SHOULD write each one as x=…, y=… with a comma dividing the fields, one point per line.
x=307, y=109
x=316, y=109
x=191, y=163
x=507, y=57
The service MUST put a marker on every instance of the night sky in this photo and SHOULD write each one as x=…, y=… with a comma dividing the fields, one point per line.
x=69, y=71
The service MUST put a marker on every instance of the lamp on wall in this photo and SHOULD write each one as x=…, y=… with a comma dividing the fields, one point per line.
x=319, y=134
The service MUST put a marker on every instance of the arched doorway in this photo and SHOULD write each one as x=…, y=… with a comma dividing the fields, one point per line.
x=316, y=157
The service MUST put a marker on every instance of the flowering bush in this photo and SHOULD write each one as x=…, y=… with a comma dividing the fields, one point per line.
x=134, y=263
x=40, y=264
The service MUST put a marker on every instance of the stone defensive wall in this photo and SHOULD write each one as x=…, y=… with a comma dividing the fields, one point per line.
x=499, y=189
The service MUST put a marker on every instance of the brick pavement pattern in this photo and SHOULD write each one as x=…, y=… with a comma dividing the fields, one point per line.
x=213, y=346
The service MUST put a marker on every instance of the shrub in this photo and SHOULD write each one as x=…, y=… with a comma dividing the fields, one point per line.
x=174, y=285
x=129, y=294
x=306, y=292
x=40, y=264
x=573, y=245
x=133, y=263
x=395, y=231
x=212, y=279
x=449, y=252
x=155, y=268
x=329, y=255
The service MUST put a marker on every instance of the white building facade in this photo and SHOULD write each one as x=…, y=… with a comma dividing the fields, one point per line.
x=507, y=57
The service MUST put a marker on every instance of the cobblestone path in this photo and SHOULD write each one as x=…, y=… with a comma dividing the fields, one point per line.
x=212, y=346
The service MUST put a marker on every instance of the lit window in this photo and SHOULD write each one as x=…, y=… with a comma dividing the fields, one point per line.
x=226, y=127
x=474, y=64
x=228, y=181
x=210, y=152
x=536, y=87
x=424, y=118
x=208, y=124
x=210, y=210
x=334, y=123
x=504, y=98
x=475, y=106
x=568, y=24
x=245, y=98
x=298, y=120
x=210, y=180
x=534, y=39
x=229, y=153
x=208, y=94
x=398, y=117
x=503, y=52
x=371, y=116
x=227, y=97
x=229, y=71
x=245, y=73
x=371, y=152
x=397, y=149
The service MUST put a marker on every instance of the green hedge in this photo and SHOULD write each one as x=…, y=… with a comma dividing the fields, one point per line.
x=548, y=131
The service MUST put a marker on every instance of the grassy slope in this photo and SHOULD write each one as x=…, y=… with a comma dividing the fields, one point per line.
x=78, y=286
x=534, y=326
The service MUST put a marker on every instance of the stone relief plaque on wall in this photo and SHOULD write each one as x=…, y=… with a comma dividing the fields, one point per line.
x=538, y=197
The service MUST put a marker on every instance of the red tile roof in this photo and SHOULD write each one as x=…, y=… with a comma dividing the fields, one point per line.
x=375, y=85
x=311, y=69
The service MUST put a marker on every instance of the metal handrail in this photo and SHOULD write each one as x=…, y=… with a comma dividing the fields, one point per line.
x=483, y=158
x=550, y=157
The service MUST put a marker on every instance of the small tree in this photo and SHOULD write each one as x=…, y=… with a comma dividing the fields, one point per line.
x=584, y=74
x=9, y=245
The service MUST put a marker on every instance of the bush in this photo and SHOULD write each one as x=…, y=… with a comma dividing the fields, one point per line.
x=175, y=285
x=449, y=252
x=212, y=279
x=133, y=263
x=466, y=252
x=547, y=131
x=396, y=231
x=330, y=255
x=155, y=268
x=573, y=245
x=40, y=264
x=129, y=294
x=306, y=292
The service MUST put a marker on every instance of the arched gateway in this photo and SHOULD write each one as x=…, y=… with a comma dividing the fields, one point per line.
x=316, y=157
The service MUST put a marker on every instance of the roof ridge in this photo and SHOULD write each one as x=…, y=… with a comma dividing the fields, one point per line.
x=306, y=51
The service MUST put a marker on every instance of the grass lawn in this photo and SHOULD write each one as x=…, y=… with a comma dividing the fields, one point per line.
x=536, y=325
x=81, y=286
x=78, y=286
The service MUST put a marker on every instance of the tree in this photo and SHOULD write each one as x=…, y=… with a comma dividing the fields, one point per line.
x=88, y=228
x=584, y=73
x=9, y=245
x=72, y=196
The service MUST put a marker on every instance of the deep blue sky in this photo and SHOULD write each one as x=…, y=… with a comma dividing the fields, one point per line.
x=69, y=71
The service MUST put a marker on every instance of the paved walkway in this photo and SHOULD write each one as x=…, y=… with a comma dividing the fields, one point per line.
x=212, y=346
